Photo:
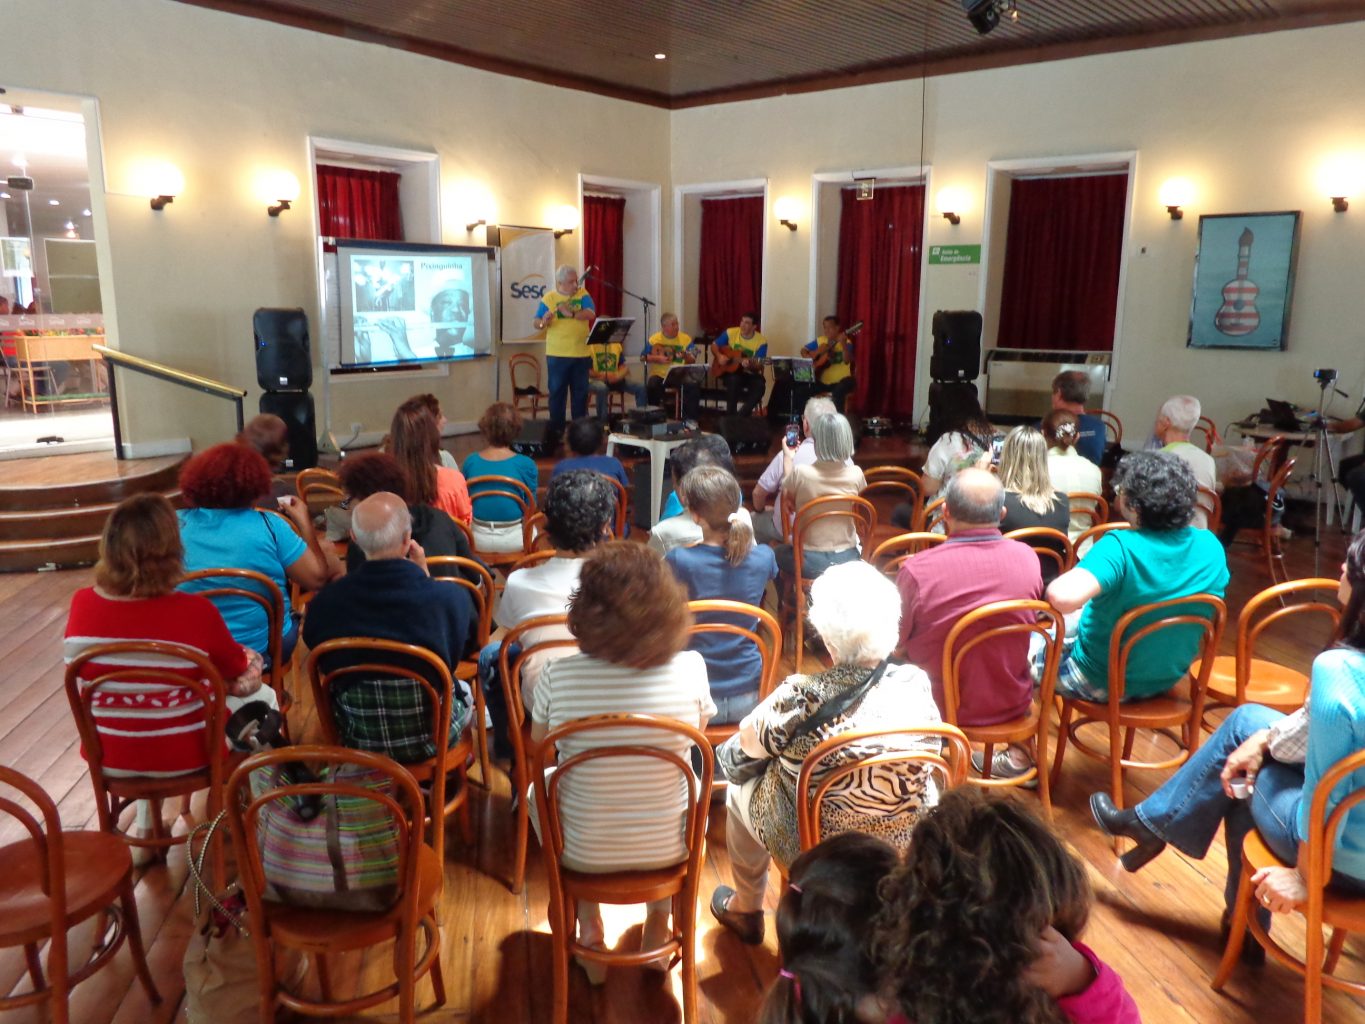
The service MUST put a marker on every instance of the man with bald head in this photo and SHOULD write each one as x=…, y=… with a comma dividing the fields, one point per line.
x=391, y=597
x=975, y=566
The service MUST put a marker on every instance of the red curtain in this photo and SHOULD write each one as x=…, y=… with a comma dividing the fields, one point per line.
x=359, y=204
x=1061, y=284
x=604, y=246
x=880, y=244
x=730, y=272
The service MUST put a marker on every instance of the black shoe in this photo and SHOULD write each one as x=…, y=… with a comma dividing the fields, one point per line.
x=747, y=925
x=1127, y=824
x=1253, y=953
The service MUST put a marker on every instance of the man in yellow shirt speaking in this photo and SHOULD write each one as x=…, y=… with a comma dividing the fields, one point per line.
x=566, y=316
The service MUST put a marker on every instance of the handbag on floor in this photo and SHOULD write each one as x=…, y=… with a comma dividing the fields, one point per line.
x=221, y=983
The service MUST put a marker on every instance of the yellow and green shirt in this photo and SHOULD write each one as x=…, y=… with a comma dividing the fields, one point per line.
x=566, y=337
x=840, y=363
x=672, y=347
x=606, y=358
x=754, y=348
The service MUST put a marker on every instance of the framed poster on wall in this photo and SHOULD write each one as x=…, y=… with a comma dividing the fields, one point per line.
x=1244, y=280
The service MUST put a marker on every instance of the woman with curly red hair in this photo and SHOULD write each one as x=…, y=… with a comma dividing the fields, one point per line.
x=221, y=530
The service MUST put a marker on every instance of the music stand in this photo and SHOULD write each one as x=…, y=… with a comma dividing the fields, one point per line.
x=678, y=378
x=609, y=329
x=792, y=370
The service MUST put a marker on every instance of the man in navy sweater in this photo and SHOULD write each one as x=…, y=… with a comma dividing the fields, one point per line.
x=391, y=596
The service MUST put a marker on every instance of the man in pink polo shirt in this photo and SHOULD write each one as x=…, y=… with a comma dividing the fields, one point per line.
x=975, y=566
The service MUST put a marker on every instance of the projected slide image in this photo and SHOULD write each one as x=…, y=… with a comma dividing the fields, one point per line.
x=414, y=310
x=382, y=286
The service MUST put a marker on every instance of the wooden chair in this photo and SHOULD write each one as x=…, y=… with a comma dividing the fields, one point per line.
x=889, y=555
x=380, y=659
x=263, y=593
x=321, y=934
x=622, y=522
x=1243, y=678
x=51, y=880
x=535, y=558
x=1048, y=544
x=519, y=723
x=533, y=535
x=834, y=506
x=1269, y=537
x=318, y=488
x=1089, y=504
x=1344, y=914
x=934, y=513
x=1209, y=429
x=680, y=882
x=1113, y=426
x=1082, y=543
x=810, y=796
x=513, y=490
x=765, y=634
x=1164, y=714
x=902, y=485
x=974, y=629
x=150, y=663
x=528, y=396
x=483, y=593
x=1211, y=502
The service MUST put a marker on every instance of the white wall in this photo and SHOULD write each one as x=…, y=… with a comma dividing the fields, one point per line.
x=225, y=97
x=1249, y=120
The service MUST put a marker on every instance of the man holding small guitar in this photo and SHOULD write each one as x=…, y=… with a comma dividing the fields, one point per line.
x=738, y=359
x=832, y=354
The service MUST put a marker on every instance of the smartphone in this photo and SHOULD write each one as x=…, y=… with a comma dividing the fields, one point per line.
x=997, y=443
x=793, y=438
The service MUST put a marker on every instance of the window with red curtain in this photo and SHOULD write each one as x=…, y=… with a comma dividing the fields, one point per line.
x=354, y=203
x=1062, y=253
x=604, y=247
x=880, y=245
x=730, y=271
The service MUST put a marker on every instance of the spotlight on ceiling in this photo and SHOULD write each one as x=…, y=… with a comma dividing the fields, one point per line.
x=985, y=14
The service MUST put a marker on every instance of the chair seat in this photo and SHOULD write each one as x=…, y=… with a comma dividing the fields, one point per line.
x=1274, y=685
x=717, y=734
x=1153, y=713
x=96, y=864
x=143, y=787
x=625, y=887
x=1338, y=911
x=467, y=671
x=310, y=930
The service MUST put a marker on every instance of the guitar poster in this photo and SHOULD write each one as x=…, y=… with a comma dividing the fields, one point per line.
x=1244, y=280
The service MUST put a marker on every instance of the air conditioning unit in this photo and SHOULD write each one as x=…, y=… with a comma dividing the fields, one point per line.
x=1019, y=381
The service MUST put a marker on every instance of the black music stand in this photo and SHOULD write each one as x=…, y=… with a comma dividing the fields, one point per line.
x=792, y=371
x=609, y=329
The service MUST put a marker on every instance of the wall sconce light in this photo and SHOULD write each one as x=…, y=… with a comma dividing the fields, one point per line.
x=1174, y=194
x=951, y=203
x=787, y=210
x=278, y=189
x=472, y=205
x=564, y=220
x=471, y=227
x=1341, y=178
x=162, y=181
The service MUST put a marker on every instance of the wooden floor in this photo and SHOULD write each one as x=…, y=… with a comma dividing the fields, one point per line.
x=1158, y=928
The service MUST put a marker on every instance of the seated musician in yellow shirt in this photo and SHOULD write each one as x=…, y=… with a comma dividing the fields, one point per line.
x=833, y=356
x=669, y=347
x=739, y=353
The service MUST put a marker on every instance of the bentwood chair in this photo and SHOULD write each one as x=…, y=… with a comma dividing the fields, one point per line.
x=874, y=758
x=992, y=624
x=1088, y=537
x=931, y=519
x=863, y=515
x=527, y=394
x=636, y=740
x=1113, y=426
x=512, y=490
x=891, y=554
x=51, y=881
x=318, y=488
x=338, y=663
x=1053, y=548
x=322, y=934
x=715, y=617
x=259, y=589
x=1209, y=429
x=1243, y=678
x=1344, y=914
x=154, y=666
x=550, y=632
x=1175, y=715
x=620, y=525
x=1210, y=502
x=473, y=576
x=898, y=485
x=1089, y=504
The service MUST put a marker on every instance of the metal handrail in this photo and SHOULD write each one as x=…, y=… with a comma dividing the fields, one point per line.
x=207, y=385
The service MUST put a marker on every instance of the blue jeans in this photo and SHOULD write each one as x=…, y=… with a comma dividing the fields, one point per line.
x=602, y=389
x=568, y=375
x=492, y=694
x=729, y=710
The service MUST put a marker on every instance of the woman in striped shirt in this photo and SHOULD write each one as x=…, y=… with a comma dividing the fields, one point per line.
x=631, y=620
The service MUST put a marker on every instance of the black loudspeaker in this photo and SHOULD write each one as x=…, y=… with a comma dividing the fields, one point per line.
x=283, y=362
x=957, y=345
x=639, y=499
x=534, y=439
x=746, y=435
x=296, y=409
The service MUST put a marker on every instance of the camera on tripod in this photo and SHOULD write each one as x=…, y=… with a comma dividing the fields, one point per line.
x=1325, y=378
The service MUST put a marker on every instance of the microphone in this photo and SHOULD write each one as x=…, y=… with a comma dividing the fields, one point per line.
x=587, y=271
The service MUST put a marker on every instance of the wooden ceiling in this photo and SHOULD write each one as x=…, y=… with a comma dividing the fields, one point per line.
x=721, y=50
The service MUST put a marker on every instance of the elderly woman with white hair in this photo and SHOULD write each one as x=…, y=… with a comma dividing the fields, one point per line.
x=828, y=541
x=857, y=612
x=566, y=315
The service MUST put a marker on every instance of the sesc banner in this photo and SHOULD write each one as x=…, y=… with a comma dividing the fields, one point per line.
x=528, y=270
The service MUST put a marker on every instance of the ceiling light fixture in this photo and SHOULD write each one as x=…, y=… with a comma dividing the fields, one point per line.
x=4, y=195
x=985, y=14
x=85, y=213
x=54, y=202
x=661, y=56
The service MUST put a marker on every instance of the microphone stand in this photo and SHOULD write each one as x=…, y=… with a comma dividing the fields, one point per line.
x=646, y=303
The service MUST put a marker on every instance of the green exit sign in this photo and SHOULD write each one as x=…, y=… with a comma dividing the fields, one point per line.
x=954, y=254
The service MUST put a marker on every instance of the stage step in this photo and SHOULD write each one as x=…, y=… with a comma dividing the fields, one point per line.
x=53, y=509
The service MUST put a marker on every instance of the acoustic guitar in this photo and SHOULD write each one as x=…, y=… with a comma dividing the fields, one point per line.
x=822, y=354
x=1238, y=315
x=722, y=365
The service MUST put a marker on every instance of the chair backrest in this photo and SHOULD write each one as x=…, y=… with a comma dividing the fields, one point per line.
x=1277, y=481
x=900, y=473
x=42, y=825
x=502, y=487
x=481, y=589
x=399, y=795
x=509, y=667
x=535, y=558
x=547, y=784
x=318, y=484
x=1087, y=503
x=622, y=501
x=266, y=595
x=1323, y=828
x=1209, y=429
x=1025, y=618
x=468, y=533
x=1204, y=612
x=1048, y=544
x=898, y=491
x=1113, y=426
x=1269, y=450
x=765, y=634
x=934, y=513
x=148, y=663
x=834, y=506
x=523, y=364
x=1096, y=532
x=809, y=803
x=1211, y=502
x=891, y=553
x=1268, y=607
x=533, y=535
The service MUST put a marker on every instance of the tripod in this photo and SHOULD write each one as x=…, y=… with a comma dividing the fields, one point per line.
x=1323, y=458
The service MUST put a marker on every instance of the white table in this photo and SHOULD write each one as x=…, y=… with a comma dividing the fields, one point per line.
x=658, y=449
x=1339, y=445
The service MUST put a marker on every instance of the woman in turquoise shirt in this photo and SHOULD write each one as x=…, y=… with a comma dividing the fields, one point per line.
x=497, y=520
x=1280, y=758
